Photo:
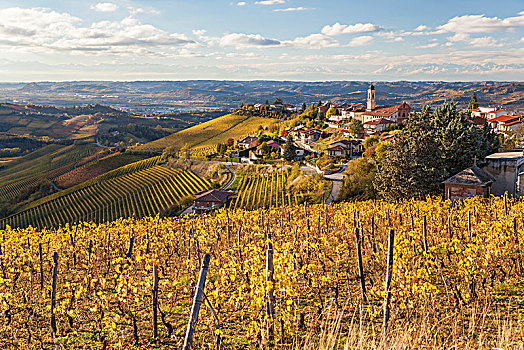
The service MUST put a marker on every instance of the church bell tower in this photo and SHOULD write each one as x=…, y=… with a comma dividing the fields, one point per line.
x=371, y=98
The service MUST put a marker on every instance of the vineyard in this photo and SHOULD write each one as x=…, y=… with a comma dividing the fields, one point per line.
x=295, y=277
x=265, y=191
x=207, y=135
x=135, y=190
x=47, y=163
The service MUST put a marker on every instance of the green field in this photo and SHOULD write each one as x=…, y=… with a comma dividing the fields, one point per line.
x=210, y=133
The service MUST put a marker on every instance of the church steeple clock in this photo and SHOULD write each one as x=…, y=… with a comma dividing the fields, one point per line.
x=371, y=98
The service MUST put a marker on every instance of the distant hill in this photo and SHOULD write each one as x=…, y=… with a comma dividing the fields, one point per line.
x=213, y=93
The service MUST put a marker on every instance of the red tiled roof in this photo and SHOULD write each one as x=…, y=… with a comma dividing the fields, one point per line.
x=336, y=148
x=503, y=118
x=382, y=111
x=513, y=122
x=213, y=195
x=379, y=121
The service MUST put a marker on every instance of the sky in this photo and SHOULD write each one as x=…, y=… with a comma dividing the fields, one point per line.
x=302, y=40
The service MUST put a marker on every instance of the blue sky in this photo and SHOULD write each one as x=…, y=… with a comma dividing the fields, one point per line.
x=261, y=39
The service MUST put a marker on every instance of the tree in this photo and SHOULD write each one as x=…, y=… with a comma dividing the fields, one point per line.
x=304, y=107
x=278, y=101
x=230, y=142
x=289, y=149
x=473, y=104
x=355, y=127
x=359, y=179
x=371, y=141
x=264, y=147
x=319, y=103
x=221, y=148
x=267, y=103
x=432, y=147
x=331, y=111
x=413, y=165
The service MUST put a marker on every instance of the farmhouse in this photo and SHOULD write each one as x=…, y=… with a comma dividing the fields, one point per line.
x=210, y=200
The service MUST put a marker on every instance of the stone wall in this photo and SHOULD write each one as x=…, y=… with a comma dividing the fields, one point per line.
x=503, y=170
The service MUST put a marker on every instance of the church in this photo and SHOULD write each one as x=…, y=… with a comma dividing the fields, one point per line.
x=394, y=114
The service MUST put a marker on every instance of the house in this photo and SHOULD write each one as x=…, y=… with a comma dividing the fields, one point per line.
x=323, y=109
x=344, y=148
x=512, y=126
x=209, y=200
x=272, y=145
x=295, y=131
x=504, y=123
x=377, y=125
x=248, y=142
x=508, y=170
x=486, y=112
x=336, y=151
x=352, y=111
x=470, y=182
x=310, y=135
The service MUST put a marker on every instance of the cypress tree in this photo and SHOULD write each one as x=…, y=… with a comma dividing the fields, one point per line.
x=473, y=104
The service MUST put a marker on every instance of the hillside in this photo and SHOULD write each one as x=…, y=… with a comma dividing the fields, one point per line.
x=210, y=133
x=139, y=189
x=276, y=278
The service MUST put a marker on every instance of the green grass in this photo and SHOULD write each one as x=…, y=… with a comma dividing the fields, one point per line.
x=211, y=132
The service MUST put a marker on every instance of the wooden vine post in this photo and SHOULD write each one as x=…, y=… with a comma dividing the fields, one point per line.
x=389, y=275
x=155, y=301
x=197, y=302
x=53, y=295
x=270, y=285
x=360, y=265
x=40, y=259
x=425, y=233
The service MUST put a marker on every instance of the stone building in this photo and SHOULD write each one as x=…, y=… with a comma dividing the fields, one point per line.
x=470, y=182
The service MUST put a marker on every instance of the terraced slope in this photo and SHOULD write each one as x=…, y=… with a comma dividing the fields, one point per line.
x=137, y=194
x=46, y=163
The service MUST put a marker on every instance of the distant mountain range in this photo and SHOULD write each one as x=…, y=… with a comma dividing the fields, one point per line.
x=158, y=95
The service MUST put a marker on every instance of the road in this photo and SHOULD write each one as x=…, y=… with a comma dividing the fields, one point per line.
x=336, y=179
x=233, y=178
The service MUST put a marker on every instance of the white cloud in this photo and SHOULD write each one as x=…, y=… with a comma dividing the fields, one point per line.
x=480, y=24
x=293, y=9
x=241, y=3
x=338, y=29
x=240, y=39
x=428, y=46
x=104, y=7
x=361, y=41
x=475, y=42
x=270, y=2
x=313, y=41
x=45, y=30
x=421, y=28
x=484, y=42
